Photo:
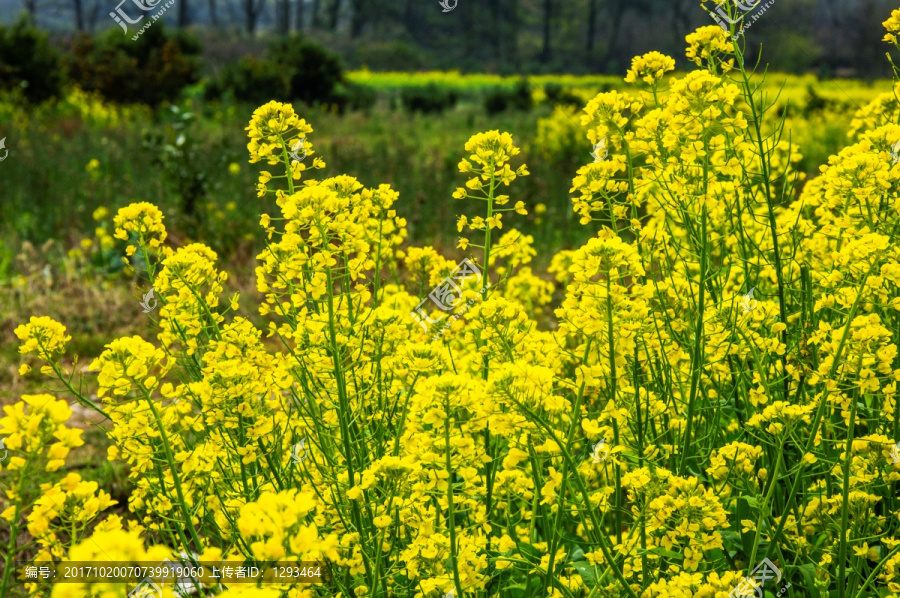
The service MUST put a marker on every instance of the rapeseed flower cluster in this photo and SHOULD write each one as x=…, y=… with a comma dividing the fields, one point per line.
x=634, y=425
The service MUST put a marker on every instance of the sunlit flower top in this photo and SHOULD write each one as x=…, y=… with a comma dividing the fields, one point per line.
x=892, y=25
x=144, y=221
x=706, y=45
x=42, y=336
x=649, y=68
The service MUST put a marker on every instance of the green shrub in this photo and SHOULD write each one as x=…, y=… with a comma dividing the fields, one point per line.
x=150, y=70
x=353, y=96
x=559, y=95
x=29, y=63
x=251, y=80
x=428, y=99
x=173, y=147
x=501, y=99
x=313, y=73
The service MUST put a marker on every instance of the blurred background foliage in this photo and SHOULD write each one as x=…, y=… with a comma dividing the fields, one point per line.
x=828, y=37
x=114, y=120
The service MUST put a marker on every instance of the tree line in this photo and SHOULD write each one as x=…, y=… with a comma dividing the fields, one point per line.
x=827, y=36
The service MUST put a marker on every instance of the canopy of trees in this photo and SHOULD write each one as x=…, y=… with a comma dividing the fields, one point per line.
x=825, y=36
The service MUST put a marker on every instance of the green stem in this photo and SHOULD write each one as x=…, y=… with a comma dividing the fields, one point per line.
x=561, y=507
x=645, y=571
x=819, y=414
x=845, y=495
x=613, y=383
x=696, y=360
x=764, y=510
x=13, y=536
x=176, y=479
x=78, y=396
x=485, y=283
x=764, y=167
x=588, y=508
x=343, y=413
x=451, y=515
x=875, y=571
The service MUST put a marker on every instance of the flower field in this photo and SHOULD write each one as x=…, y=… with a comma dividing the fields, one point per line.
x=696, y=397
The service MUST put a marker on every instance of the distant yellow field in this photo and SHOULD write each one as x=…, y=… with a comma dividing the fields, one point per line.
x=792, y=88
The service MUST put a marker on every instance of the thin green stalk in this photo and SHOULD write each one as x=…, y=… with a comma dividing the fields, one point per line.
x=792, y=495
x=645, y=571
x=564, y=476
x=13, y=536
x=485, y=283
x=613, y=382
x=696, y=365
x=176, y=479
x=451, y=515
x=845, y=496
x=764, y=509
x=343, y=413
x=770, y=207
x=75, y=393
x=875, y=571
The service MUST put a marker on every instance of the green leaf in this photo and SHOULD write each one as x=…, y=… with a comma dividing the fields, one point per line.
x=751, y=502
x=731, y=539
x=586, y=570
x=667, y=553
x=516, y=591
x=745, y=506
x=808, y=572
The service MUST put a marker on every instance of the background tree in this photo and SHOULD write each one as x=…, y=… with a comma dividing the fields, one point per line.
x=252, y=9
x=183, y=14
x=213, y=14
x=334, y=13
x=299, y=15
x=316, y=14
x=826, y=37
x=548, y=25
x=31, y=10
x=78, y=11
x=283, y=17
